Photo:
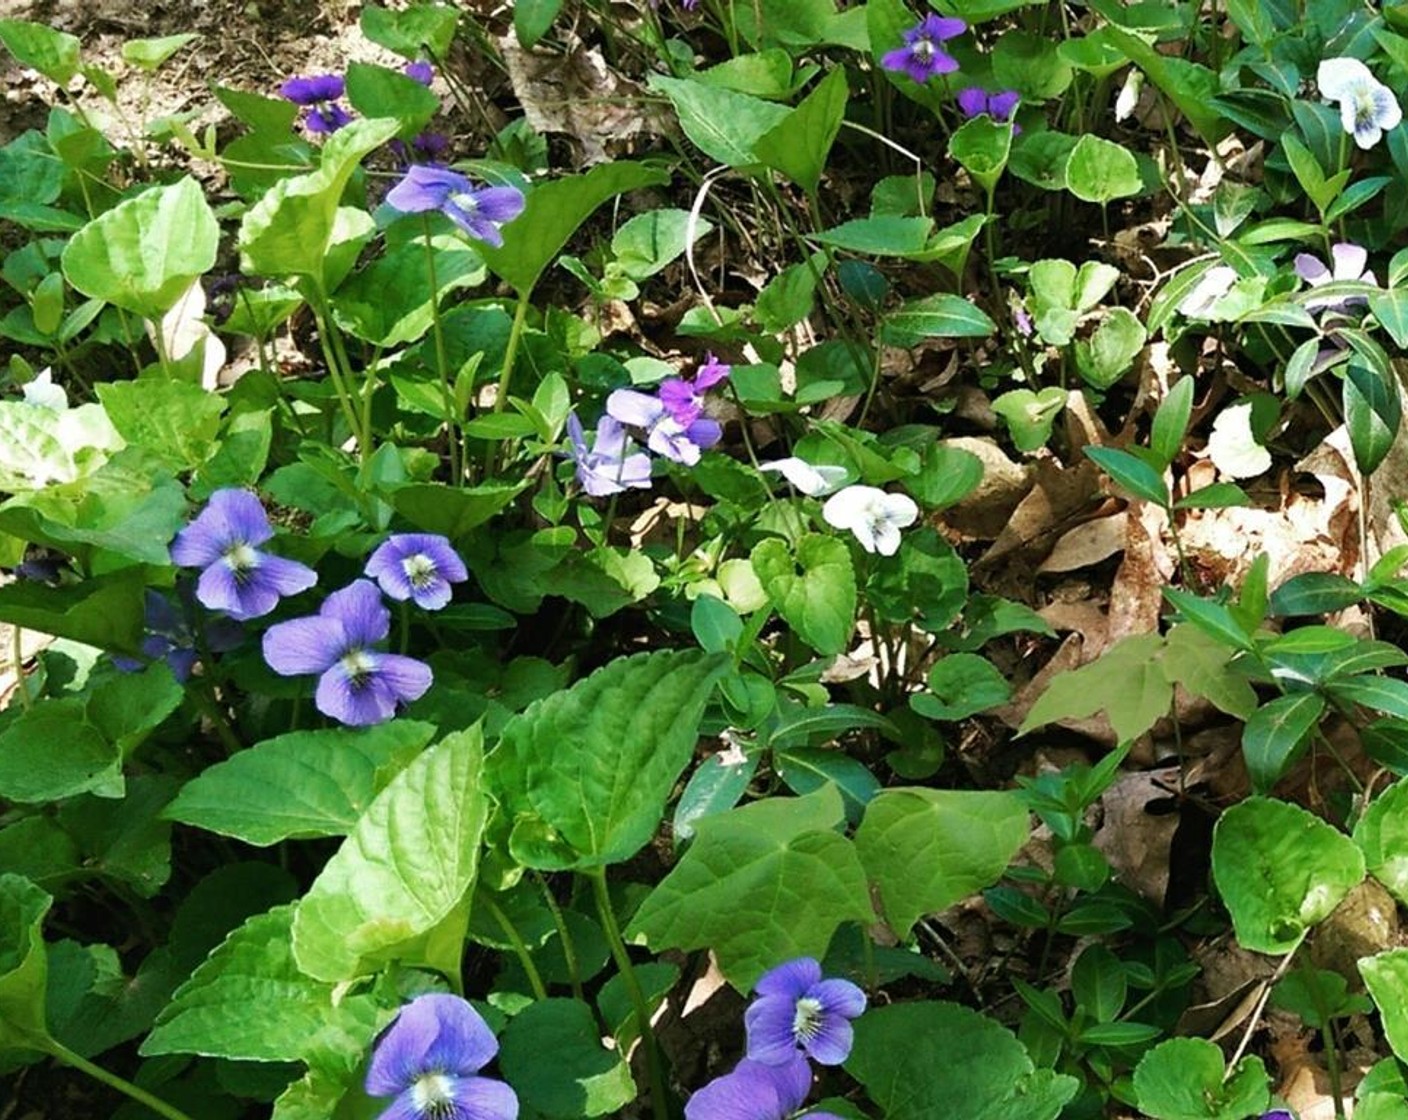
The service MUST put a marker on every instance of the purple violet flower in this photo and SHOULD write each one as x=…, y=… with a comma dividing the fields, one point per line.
x=605, y=467
x=999, y=106
x=922, y=56
x=237, y=578
x=420, y=71
x=429, y=1059
x=477, y=211
x=1349, y=262
x=318, y=95
x=357, y=685
x=798, y=1011
x=755, y=1091
x=170, y=625
x=1278, y=1114
x=417, y=566
x=680, y=443
x=684, y=400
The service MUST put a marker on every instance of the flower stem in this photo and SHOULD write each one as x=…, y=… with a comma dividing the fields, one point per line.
x=323, y=318
x=451, y=420
x=569, y=947
x=525, y=958
x=658, y=1098
x=98, y=1073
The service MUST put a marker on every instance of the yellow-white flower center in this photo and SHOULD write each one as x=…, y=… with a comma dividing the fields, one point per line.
x=433, y=1094
x=241, y=559
x=806, y=1019
x=1365, y=110
x=922, y=50
x=358, y=665
x=466, y=202
x=419, y=569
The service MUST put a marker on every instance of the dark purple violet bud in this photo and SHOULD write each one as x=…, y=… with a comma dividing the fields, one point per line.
x=420, y=71
x=313, y=89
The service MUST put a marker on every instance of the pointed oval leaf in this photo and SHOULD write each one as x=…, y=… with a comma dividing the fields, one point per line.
x=23, y=962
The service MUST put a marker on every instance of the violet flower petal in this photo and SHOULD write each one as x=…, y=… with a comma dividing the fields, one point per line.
x=304, y=645
x=790, y=979
x=359, y=609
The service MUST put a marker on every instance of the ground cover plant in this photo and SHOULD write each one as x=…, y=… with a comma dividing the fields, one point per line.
x=735, y=560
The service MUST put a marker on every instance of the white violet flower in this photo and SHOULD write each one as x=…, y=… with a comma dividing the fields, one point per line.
x=41, y=392
x=811, y=481
x=1368, y=108
x=1216, y=282
x=874, y=516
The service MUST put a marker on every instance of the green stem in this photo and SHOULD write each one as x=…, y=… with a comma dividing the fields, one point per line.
x=17, y=660
x=451, y=419
x=520, y=317
x=658, y=1097
x=569, y=947
x=98, y=1073
x=323, y=319
x=525, y=958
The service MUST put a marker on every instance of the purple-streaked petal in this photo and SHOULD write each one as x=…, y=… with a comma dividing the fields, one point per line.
x=409, y=679
x=484, y=1098
x=283, y=577
x=327, y=119
x=219, y=590
x=942, y=63
x=1388, y=114
x=671, y=441
x=419, y=71
x=312, y=89
x=425, y=188
x=790, y=979
x=750, y=1092
x=1349, y=260
x=680, y=399
x=939, y=28
x=399, y=1055
x=463, y=1043
x=792, y=1080
x=711, y=373
x=576, y=436
x=304, y=645
x=499, y=204
x=632, y=407
x=360, y=704
x=1000, y=105
x=610, y=438
x=242, y=514
x=478, y=227
x=359, y=610
x=635, y=471
x=403, y=1107
x=831, y=1045
x=839, y=997
x=972, y=101
x=769, y=1024
x=254, y=596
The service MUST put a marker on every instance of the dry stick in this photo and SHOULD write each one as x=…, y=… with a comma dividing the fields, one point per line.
x=1261, y=1002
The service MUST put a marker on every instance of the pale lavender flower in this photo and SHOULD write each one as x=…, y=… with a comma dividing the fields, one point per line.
x=1349, y=263
x=922, y=56
x=357, y=684
x=799, y=1012
x=684, y=399
x=1368, y=108
x=756, y=1091
x=479, y=211
x=237, y=577
x=429, y=1060
x=680, y=443
x=999, y=106
x=606, y=467
x=417, y=566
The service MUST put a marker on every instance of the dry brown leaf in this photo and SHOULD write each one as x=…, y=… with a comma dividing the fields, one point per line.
x=1087, y=544
x=984, y=513
x=1136, y=596
x=1135, y=840
x=1060, y=496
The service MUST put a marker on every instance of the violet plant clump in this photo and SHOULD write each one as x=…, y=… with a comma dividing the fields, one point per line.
x=358, y=684
x=237, y=577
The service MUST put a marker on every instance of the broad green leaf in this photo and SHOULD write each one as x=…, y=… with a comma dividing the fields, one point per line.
x=533, y=18
x=584, y=774
x=1280, y=871
x=144, y=253
x=1202, y=665
x=1315, y=593
x=806, y=769
x=715, y=787
x=1132, y=473
x=1188, y=85
x=982, y=146
x=104, y=611
x=149, y=54
x=787, y=300
x=375, y=91
x=23, y=963
x=795, y=726
x=961, y=685
x=1099, y=983
x=176, y=422
x=1391, y=310
x=814, y=590
x=52, y=52
x=553, y=213
x=938, y=316
x=1099, y=170
x=1030, y=64
x=1386, y=977
x=1127, y=682
x=946, y=476
x=451, y=511
x=419, y=30
x=1187, y=1079
x=1171, y=421
x=797, y=146
x=1382, y=835
x=886, y=235
x=1273, y=736
x=52, y=751
x=926, y=849
x=932, y=1061
x=403, y=868
x=765, y=74
x=1383, y=694
x=650, y=241
x=1372, y=412
x=760, y=885
x=1030, y=416
x=722, y=124
x=303, y=784
x=582, y=1077
x=293, y=228
x=390, y=303
x=250, y=1002
x=1110, y=351
x=1213, y=618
